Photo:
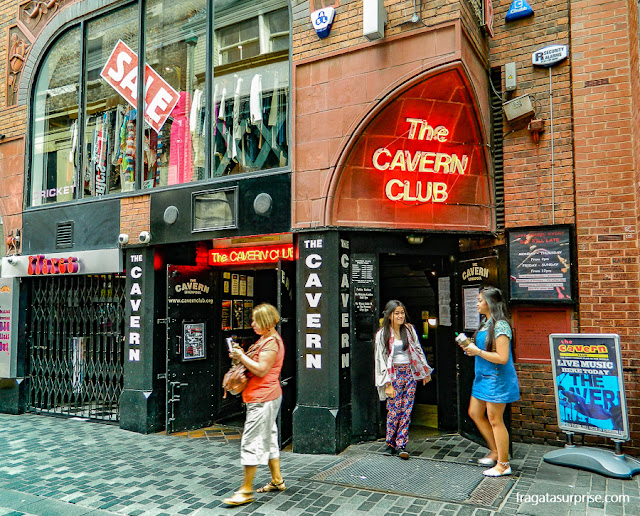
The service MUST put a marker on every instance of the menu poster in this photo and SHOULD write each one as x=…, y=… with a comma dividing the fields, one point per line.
x=194, y=342
x=248, y=309
x=235, y=284
x=243, y=285
x=238, y=314
x=540, y=264
x=470, y=307
x=226, y=314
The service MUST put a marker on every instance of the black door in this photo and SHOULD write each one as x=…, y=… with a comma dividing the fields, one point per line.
x=287, y=328
x=190, y=350
x=476, y=269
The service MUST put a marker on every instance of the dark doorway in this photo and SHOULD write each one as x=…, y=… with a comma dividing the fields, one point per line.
x=413, y=280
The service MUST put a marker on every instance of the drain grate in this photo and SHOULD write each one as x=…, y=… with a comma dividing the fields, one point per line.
x=425, y=478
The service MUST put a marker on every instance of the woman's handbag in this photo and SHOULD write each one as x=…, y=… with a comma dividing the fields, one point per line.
x=235, y=379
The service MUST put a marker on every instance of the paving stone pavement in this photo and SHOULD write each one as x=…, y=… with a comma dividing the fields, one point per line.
x=53, y=466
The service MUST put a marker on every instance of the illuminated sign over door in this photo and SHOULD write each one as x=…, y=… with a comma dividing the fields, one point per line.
x=420, y=164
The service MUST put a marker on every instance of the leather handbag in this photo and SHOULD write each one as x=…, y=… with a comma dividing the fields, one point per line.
x=235, y=379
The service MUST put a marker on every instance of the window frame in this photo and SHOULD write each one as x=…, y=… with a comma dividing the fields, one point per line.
x=247, y=10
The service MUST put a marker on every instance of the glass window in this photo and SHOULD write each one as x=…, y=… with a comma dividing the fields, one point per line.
x=251, y=90
x=176, y=50
x=54, y=158
x=240, y=127
x=110, y=130
x=214, y=209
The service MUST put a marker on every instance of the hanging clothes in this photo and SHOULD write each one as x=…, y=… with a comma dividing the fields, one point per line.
x=180, y=154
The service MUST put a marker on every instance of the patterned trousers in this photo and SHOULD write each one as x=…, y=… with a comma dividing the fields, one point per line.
x=399, y=408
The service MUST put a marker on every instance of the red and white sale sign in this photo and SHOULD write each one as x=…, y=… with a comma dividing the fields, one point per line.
x=121, y=72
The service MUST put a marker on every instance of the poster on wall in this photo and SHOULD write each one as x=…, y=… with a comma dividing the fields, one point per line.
x=588, y=384
x=248, y=309
x=540, y=264
x=470, y=316
x=235, y=284
x=444, y=301
x=237, y=315
x=194, y=341
x=243, y=285
x=226, y=314
x=250, y=286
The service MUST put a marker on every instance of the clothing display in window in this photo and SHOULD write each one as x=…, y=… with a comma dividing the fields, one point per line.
x=180, y=155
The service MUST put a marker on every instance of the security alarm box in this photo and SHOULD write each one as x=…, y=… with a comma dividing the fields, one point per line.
x=517, y=108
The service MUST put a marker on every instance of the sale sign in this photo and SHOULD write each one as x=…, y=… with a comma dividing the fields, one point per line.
x=121, y=72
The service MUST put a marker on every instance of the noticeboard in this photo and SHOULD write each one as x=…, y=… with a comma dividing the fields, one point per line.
x=588, y=384
x=540, y=264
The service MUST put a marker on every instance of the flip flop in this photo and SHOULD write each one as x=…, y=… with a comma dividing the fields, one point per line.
x=239, y=498
x=272, y=486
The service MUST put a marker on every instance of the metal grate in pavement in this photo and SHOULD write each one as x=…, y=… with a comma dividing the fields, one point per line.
x=424, y=478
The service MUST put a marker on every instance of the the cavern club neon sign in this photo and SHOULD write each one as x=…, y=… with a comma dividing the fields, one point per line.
x=247, y=255
x=40, y=265
x=404, y=160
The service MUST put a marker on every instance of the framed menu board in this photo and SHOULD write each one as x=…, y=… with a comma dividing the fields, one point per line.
x=541, y=264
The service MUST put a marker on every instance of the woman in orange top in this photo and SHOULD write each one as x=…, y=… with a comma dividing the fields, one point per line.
x=263, y=396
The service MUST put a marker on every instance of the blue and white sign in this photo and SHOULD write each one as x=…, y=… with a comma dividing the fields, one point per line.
x=549, y=56
x=519, y=9
x=322, y=20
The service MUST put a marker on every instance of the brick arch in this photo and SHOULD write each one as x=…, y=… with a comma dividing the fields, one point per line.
x=444, y=96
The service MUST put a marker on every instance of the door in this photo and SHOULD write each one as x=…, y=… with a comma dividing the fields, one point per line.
x=287, y=328
x=476, y=269
x=190, y=351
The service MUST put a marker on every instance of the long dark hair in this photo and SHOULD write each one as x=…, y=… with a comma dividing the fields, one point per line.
x=499, y=312
x=386, y=323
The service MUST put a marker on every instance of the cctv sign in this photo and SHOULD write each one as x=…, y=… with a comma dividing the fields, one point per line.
x=121, y=72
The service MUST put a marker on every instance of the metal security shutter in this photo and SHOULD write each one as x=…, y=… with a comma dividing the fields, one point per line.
x=497, y=146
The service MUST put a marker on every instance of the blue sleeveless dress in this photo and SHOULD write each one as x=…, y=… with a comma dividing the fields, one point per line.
x=495, y=383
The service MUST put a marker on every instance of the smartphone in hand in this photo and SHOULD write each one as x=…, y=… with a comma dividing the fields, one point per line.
x=230, y=344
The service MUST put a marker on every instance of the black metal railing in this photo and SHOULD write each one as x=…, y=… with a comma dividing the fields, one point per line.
x=75, y=341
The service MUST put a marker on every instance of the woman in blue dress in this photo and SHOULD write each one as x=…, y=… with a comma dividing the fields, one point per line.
x=495, y=383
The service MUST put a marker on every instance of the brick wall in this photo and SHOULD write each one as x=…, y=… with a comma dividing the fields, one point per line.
x=11, y=184
x=605, y=93
x=135, y=216
x=596, y=172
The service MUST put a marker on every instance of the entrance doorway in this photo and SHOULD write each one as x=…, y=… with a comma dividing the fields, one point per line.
x=413, y=280
x=206, y=305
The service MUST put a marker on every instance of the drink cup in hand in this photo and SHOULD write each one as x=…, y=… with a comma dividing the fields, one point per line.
x=463, y=340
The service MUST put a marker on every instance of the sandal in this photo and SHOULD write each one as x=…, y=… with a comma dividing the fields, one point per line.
x=493, y=472
x=239, y=498
x=272, y=486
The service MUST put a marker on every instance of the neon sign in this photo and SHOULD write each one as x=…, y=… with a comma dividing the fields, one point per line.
x=40, y=265
x=247, y=255
x=419, y=161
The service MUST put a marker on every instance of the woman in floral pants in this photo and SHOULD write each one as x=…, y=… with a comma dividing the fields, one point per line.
x=400, y=363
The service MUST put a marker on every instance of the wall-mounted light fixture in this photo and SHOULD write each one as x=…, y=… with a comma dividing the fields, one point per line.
x=415, y=239
x=433, y=322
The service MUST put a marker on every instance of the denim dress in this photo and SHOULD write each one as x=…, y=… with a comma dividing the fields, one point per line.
x=495, y=383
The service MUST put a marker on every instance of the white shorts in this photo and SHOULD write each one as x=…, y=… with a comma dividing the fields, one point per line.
x=260, y=435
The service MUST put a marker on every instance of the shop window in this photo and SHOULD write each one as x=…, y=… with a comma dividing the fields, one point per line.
x=241, y=127
x=214, y=209
x=109, y=132
x=251, y=91
x=54, y=158
x=176, y=49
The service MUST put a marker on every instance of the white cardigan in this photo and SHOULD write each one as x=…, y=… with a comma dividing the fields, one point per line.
x=384, y=361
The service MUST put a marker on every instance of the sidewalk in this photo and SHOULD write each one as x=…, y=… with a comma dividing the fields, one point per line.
x=52, y=466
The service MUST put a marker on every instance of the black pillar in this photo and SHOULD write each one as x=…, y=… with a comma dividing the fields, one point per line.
x=322, y=417
x=141, y=403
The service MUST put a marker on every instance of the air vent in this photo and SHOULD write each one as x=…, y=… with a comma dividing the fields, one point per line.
x=64, y=235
